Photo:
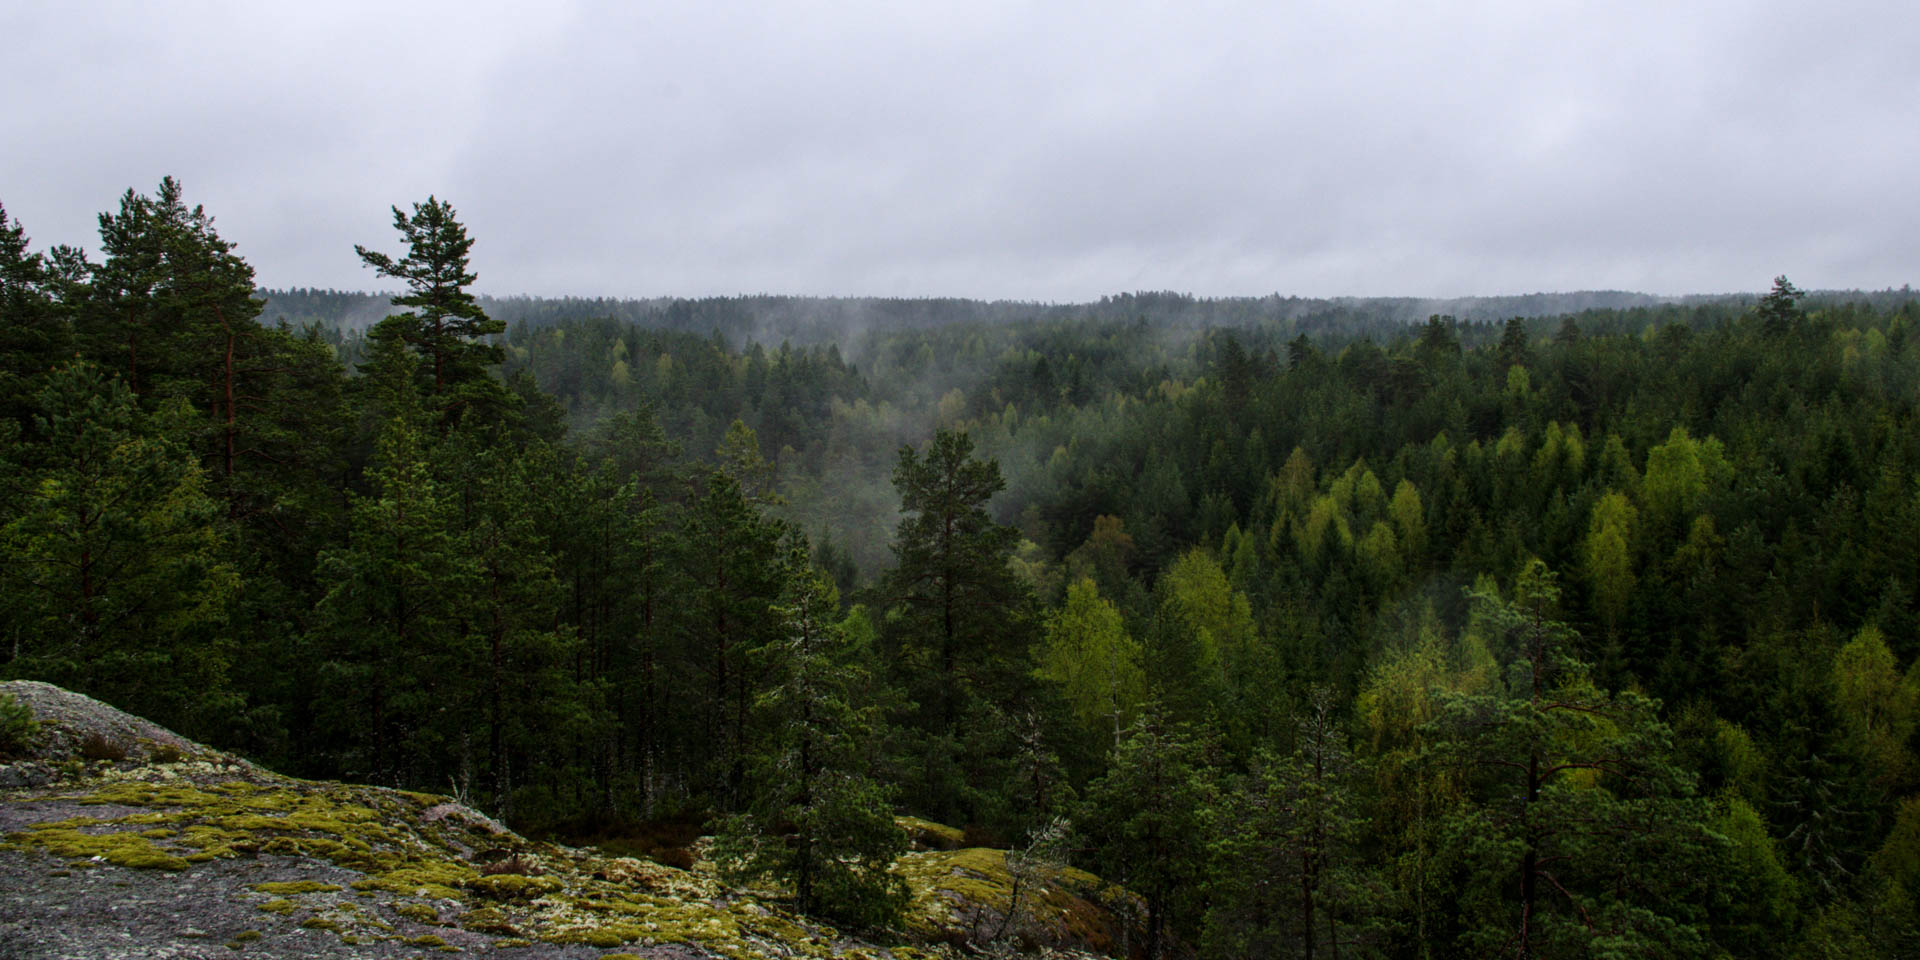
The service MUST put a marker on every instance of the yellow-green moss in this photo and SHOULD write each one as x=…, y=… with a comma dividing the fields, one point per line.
x=120, y=849
x=509, y=886
x=158, y=833
x=489, y=920
x=424, y=940
x=282, y=907
x=321, y=923
x=602, y=937
x=245, y=936
x=438, y=880
x=295, y=887
x=927, y=833
x=417, y=912
x=949, y=887
x=511, y=943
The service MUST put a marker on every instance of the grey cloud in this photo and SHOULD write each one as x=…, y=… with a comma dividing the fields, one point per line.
x=1022, y=150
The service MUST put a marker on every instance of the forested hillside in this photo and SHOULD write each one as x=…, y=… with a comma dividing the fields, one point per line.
x=1326, y=632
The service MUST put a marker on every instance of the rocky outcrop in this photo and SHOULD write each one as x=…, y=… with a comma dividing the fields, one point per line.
x=125, y=840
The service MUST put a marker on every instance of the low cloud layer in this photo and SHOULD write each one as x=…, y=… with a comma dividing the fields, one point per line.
x=999, y=150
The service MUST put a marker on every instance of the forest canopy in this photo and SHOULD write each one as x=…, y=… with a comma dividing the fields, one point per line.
x=1542, y=627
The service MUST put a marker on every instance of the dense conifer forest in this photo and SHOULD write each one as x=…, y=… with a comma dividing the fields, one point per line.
x=1547, y=627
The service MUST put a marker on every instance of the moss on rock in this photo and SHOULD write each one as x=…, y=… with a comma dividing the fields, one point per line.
x=290, y=888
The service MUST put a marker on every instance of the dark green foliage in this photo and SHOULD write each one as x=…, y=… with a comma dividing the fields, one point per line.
x=732, y=553
x=394, y=624
x=1289, y=878
x=1146, y=823
x=115, y=567
x=446, y=322
x=959, y=623
x=19, y=731
x=1578, y=828
x=817, y=822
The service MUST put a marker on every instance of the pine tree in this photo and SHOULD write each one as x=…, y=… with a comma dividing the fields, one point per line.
x=446, y=319
x=1289, y=881
x=817, y=822
x=1779, y=311
x=524, y=688
x=33, y=331
x=1146, y=822
x=961, y=622
x=1580, y=831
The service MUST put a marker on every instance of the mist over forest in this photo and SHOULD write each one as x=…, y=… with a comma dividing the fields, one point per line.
x=846, y=321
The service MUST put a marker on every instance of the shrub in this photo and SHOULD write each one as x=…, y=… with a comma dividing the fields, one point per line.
x=679, y=857
x=98, y=746
x=18, y=728
x=515, y=865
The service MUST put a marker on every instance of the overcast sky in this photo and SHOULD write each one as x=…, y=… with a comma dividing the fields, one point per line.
x=1043, y=151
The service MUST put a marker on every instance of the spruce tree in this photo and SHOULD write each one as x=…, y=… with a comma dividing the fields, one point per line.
x=732, y=556
x=114, y=567
x=33, y=331
x=396, y=649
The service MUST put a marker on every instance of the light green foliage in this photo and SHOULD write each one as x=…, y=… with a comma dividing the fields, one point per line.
x=739, y=457
x=1609, y=557
x=1409, y=517
x=1324, y=531
x=1878, y=707
x=1519, y=387
x=1680, y=473
x=1291, y=489
x=1615, y=468
x=1511, y=449
x=1369, y=498
x=1196, y=597
x=1898, y=858
x=1380, y=555
x=1089, y=655
x=1561, y=461
x=1756, y=896
x=1243, y=559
